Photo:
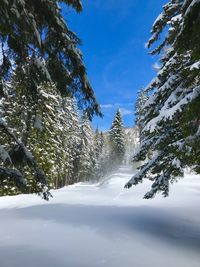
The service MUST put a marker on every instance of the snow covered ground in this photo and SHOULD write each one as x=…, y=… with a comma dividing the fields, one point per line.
x=88, y=225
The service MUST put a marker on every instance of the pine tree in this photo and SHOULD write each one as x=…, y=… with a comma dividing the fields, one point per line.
x=98, y=170
x=116, y=138
x=15, y=110
x=104, y=163
x=45, y=138
x=51, y=130
x=36, y=124
x=171, y=122
x=71, y=139
x=98, y=143
x=86, y=159
x=35, y=33
x=139, y=110
x=37, y=43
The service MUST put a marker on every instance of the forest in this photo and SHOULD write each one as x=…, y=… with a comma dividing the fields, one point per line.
x=54, y=158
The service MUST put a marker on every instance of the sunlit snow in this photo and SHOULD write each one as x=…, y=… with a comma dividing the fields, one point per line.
x=95, y=225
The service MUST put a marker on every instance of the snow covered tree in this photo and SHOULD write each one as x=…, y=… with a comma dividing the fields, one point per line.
x=44, y=135
x=139, y=109
x=35, y=32
x=98, y=143
x=36, y=124
x=116, y=139
x=86, y=159
x=37, y=43
x=98, y=170
x=50, y=128
x=70, y=140
x=171, y=122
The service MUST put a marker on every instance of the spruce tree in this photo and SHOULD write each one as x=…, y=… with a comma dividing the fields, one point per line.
x=51, y=130
x=104, y=163
x=98, y=170
x=98, y=143
x=116, y=139
x=37, y=125
x=71, y=139
x=171, y=123
x=86, y=159
x=35, y=33
x=37, y=43
x=139, y=110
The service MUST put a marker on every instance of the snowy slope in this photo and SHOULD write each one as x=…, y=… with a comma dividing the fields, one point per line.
x=87, y=225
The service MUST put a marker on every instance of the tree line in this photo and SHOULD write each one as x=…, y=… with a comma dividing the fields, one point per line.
x=46, y=101
x=59, y=136
x=37, y=49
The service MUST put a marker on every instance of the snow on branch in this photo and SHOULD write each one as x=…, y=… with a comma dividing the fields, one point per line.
x=170, y=112
x=138, y=178
x=15, y=174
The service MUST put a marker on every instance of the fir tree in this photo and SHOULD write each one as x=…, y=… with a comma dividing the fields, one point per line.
x=37, y=125
x=139, y=110
x=35, y=33
x=86, y=160
x=98, y=143
x=116, y=138
x=98, y=170
x=71, y=139
x=51, y=130
x=36, y=41
x=171, y=122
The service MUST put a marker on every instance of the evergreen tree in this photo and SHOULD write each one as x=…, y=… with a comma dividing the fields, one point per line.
x=116, y=138
x=36, y=41
x=98, y=143
x=104, y=157
x=86, y=160
x=37, y=125
x=139, y=110
x=35, y=33
x=71, y=139
x=51, y=130
x=98, y=170
x=171, y=122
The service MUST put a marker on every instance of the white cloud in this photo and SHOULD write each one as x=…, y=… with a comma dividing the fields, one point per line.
x=126, y=112
x=107, y=106
x=121, y=106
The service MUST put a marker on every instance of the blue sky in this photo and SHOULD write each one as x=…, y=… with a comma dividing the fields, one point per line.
x=113, y=34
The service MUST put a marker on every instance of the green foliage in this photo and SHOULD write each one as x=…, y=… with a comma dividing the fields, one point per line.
x=171, y=130
x=189, y=37
x=86, y=159
x=116, y=136
x=139, y=110
x=37, y=43
x=35, y=33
